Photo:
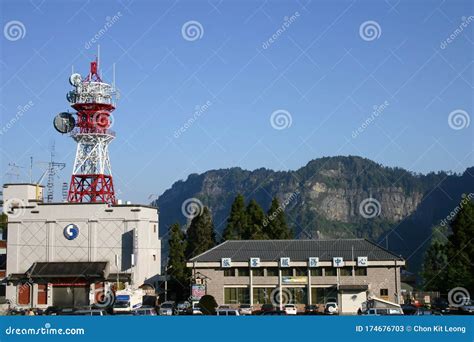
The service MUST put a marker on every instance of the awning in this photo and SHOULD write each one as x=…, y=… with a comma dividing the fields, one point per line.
x=77, y=270
x=353, y=287
x=122, y=277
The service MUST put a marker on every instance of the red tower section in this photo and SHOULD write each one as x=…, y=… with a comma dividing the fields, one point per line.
x=91, y=179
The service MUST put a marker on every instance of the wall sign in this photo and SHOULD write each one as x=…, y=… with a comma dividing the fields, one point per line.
x=254, y=262
x=284, y=262
x=338, y=262
x=313, y=262
x=71, y=231
x=226, y=262
x=362, y=261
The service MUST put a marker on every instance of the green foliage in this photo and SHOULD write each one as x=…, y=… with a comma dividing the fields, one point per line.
x=436, y=259
x=275, y=226
x=200, y=234
x=237, y=220
x=254, y=225
x=179, y=284
x=3, y=224
x=208, y=305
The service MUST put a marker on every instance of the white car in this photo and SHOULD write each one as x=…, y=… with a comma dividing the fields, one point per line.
x=167, y=309
x=290, y=309
x=227, y=312
x=245, y=309
x=196, y=309
x=331, y=308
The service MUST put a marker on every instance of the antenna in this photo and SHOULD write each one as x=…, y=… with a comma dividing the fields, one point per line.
x=31, y=170
x=51, y=170
x=98, y=60
x=14, y=172
x=113, y=76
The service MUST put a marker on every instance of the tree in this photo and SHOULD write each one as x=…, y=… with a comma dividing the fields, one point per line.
x=208, y=305
x=237, y=220
x=435, y=261
x=254, y=223
x=200, y=234
x=275, y=226
x=177, y=262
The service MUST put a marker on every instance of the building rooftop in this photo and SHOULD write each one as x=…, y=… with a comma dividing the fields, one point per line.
x=296, y=250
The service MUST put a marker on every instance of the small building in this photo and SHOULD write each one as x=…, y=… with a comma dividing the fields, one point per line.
x=301, y=272
x=67, y=254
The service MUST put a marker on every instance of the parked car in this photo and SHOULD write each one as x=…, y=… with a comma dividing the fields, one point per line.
x=441, y=305
x=167, y=309
x=273, y=313
x=331, y=308
x=183, y=307
x=196, y=309
x=425, y=312
x=227, y=312
x=90, y=312
x=145, y=311
x=290, y=309
x=409, y=309
x=267, y=308
x=310, y=309
x=383, y=311
x=245, y=309
x=467, y=308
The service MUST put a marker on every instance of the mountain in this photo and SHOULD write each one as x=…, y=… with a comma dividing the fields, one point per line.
x=333, y=197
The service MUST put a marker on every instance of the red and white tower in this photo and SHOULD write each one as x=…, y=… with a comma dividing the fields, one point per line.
x=94, y=101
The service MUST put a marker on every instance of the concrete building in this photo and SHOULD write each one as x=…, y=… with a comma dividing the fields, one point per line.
x=66, y=254
x=301, y=272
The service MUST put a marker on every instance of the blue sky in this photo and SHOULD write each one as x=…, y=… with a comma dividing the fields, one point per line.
x=322, y=72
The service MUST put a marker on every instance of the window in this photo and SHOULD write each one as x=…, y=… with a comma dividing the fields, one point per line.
x=300, y=272
x=317, y=272
x=346, y=271
x=236, y=295
x=296, y=295
x=330, y=271
x=286, y=272
x=154, y=228
x=272, y=272
x=262, y=295
x=229, y=272
x=361, y=271
x=322, y=295
x=258, y=272
x=383, y=292
x=243, y=272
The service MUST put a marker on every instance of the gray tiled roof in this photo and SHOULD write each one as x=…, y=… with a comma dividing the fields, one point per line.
x=296, y=250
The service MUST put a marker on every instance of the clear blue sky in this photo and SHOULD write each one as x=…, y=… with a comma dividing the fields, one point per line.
x=319, y=69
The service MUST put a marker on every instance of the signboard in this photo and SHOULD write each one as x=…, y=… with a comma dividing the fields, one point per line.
x=337, y=262
x=71, y=231
x=294, y=280
x=362, y=261
x=313, y=262
x=226, y=262
x=197, y=291
x=254, y=262
x=284, y=262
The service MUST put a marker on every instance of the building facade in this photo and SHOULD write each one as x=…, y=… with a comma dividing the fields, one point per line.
x=67, y=254
x=301, y=272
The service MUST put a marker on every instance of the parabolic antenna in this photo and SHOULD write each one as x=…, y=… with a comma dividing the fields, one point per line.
x=75, y=79
x=71, y=96
x=64, y=122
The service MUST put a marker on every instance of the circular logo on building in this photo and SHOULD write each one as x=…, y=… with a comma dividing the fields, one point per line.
x=71, y=231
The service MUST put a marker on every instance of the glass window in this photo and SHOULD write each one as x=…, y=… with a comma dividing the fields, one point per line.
x=262, y=295
x=236, y=295
x=258, y=272
x=295, y=295
x=330, y=272
x=229, y=272
x=272, y=272
x=286, y=272
x=361, y=271
x=300, y=272
x=384, y=292
x=243, y=272
x=317, y=272
x=322, y=295
x=346, y=271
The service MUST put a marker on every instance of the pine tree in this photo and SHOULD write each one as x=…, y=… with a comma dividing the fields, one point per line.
x=275, y=226
x=237, y=219
x=254, y=224
x=435, y=262
x=200, y=234
x=179, y=283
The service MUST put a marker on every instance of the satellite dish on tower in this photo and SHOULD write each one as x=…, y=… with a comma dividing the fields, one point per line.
x=71, y=96
x=75, y=79
x=64, y=122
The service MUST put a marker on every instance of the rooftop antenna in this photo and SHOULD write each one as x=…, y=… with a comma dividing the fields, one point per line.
x=51, y=170
x=31, y=170
x=14, y=172
x=98, y=60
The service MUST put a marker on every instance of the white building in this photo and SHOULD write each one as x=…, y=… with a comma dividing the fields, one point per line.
x=65, y=254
